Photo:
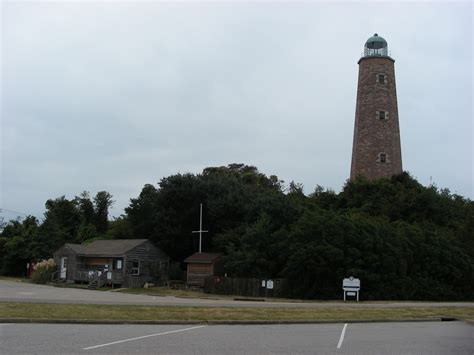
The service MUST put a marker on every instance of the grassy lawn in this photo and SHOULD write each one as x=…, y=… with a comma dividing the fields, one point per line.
x=155, y=313
x=16, y=279
x=165, y=291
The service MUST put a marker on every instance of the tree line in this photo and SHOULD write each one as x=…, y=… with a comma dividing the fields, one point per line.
x=65, y=221
x=403, y=240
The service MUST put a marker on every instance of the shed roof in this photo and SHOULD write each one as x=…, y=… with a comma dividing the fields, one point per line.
x=77, y=248
x=204, y=258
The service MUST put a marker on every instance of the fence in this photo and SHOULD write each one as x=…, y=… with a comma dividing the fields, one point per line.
x=244, y=287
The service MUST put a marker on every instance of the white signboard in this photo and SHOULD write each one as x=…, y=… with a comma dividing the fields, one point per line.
x=109, y=275
x=264, y=283
x=351, y=287
x=351, y=284
x=270, y=284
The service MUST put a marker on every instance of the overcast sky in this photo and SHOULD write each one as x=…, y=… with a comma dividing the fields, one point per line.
x=114, y=95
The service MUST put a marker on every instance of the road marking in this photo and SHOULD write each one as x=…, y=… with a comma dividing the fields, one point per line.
x=142, y=337
x=341, y=339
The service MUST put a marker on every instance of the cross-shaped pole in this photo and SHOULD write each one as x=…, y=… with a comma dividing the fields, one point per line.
x=200, y=231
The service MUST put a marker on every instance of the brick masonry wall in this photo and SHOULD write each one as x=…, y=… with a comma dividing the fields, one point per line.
x=373, y=136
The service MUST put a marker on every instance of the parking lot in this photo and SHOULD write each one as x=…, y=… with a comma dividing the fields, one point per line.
x=352, y=338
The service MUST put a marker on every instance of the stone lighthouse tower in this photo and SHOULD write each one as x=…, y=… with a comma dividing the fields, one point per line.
x=376, y=151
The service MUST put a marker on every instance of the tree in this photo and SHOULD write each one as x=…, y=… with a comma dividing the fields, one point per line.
x=64, y=216
x=169, y=213
x=86, y=208
x=403, y=240
x=102, y=202
x=18, y=245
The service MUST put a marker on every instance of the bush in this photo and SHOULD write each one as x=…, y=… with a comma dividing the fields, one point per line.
x=175, y=272
x=43, y=271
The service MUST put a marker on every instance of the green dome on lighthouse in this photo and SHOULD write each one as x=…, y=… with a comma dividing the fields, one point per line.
x=376, y=42
x=376, y=46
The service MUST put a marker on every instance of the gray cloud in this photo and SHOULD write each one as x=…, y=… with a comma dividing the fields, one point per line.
x=110, y=96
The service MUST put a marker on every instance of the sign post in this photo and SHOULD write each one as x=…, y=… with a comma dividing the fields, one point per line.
x=351, y=287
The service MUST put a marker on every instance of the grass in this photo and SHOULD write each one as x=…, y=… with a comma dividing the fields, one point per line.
x=15, y=279
x=186, y=293
x=159, y=313
x=165, y=291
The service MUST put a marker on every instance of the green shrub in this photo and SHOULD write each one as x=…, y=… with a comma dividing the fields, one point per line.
x=175, y=272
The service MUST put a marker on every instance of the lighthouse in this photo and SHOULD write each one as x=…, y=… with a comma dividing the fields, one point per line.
x=376, y=151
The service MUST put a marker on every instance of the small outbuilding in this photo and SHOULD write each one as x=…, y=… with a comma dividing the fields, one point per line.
x=202, y=265
x=119, y=262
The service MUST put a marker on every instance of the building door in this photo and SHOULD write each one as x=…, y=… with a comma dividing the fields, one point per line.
x=63, y=267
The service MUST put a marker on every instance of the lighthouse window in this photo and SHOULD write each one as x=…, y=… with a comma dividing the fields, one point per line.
x=381, y=115
x=382, y=157
x=381, y=78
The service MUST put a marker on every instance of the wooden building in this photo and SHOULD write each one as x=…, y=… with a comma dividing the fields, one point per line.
x=120, y=262
x=201, y=265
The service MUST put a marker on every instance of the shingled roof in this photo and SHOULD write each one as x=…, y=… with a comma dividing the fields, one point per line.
x=106, y=247
x=77, y=248
x=205, y=258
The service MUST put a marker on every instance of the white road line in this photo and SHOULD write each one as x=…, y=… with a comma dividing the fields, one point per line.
x=144, y=336
x=341, y=339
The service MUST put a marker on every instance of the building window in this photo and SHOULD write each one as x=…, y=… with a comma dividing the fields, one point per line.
x=381, y=115
x=382, y=158
x=136, y=267
x=381, y=78
x=163, y=265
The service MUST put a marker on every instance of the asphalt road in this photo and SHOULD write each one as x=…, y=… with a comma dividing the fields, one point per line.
x=26, y=292
x=354, y=338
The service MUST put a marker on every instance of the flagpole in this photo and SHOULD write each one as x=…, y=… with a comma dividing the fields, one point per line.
x=200, y=231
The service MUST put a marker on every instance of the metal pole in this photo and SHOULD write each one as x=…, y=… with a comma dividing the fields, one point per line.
x=200, y=229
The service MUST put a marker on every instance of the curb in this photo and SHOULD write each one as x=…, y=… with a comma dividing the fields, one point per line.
x=249, y=299
x=321, y=321
x=216, y=322
x=95, y=321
